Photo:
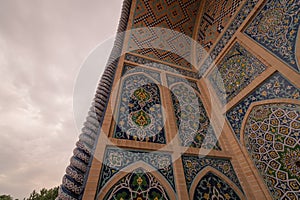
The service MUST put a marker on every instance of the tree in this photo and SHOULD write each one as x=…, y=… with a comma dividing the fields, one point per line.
x=44, y=194
x=6, y=197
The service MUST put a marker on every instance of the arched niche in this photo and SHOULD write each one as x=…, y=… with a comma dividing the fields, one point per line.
x=225, y=183
x=128, y=171
x=270, y=134
x=139, y=115
x=194, y=126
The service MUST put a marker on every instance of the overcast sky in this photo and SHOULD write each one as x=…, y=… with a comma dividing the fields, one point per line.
x=42, y=46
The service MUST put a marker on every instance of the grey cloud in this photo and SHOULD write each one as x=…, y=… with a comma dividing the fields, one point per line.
x=42, y=44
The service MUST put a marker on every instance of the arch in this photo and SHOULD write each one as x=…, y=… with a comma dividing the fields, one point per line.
x=254, y=104
x=194, y=126
x=267, y=135
x=117, y=93
x=178, y=83
x=130, y=168
x=125, y=76
x=297, y=50
x=140, y=104
x=219, y=174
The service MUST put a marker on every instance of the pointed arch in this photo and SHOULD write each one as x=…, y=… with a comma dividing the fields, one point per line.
x=140, y=116
x=193, y=123
x=220, y=175
x=125, y=76
x=269, y=136
x=258, y=103
x=178, y=83
x=131, y=168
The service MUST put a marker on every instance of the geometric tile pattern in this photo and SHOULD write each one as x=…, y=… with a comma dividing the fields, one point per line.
x=115, y=159
x=139, y=185
x=176, y=15
x=236, y=70
x=194, y=128
x=166, y=68
x=274, y=87
x=272, y=138
x=140, y=115
x=193, y=165
x=275, y=28
x=247, y=7
x=216, y=16
x=212, y=187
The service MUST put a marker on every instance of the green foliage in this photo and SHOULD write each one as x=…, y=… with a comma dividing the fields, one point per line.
x=6, y=197
x=44, y=194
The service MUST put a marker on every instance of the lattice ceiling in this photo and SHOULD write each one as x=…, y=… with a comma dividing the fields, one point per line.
x=186, y=17
x=176, y=15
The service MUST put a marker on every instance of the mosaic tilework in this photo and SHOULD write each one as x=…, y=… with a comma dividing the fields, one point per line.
x=194, y=164
x=177, y=15
x=274, y=87
x=236, y=70
x=275, y=27
x=193, y=124
x=139, y=185
x=129, y=69
x=272, y=138
x=213, y=187
x=216, y=16
x=157, y=65
x=140, y=115
x=176, y=79
x=247, y=7
x=116, y=159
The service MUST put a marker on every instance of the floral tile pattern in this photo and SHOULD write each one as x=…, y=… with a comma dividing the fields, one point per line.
x=140, y=115
x=276, y=27
x=194, y=128
x=161, y=66
x=115, y=159
x=175, y=79
x=194, y=164
x=235, y=71
x=129, y=69
x=139, y=185
x=213, y=187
